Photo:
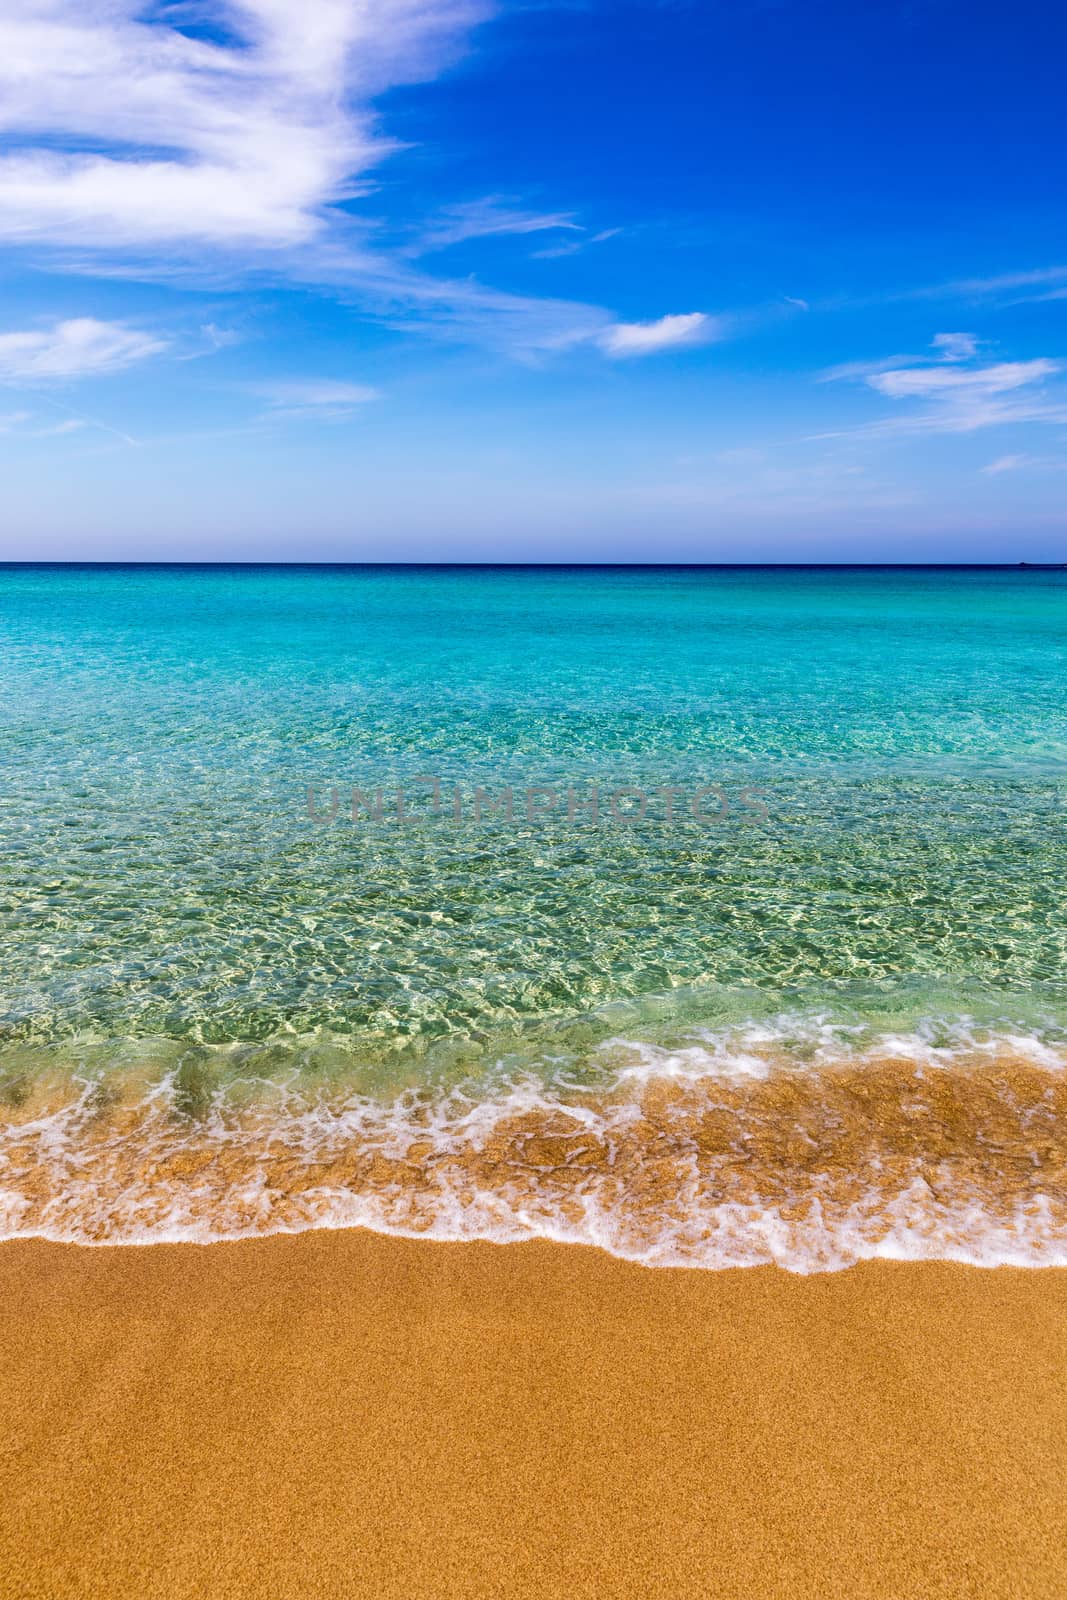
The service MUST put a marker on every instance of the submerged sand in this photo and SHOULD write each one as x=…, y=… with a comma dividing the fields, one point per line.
x=342, y=1414
x=808, y=1165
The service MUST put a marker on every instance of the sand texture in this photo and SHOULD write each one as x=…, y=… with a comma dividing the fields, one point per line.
x=342, y=1414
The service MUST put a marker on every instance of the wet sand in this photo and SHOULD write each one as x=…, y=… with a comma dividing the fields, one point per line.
x=340, y=1414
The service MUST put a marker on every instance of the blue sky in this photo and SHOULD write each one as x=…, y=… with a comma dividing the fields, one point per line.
x=443, y=279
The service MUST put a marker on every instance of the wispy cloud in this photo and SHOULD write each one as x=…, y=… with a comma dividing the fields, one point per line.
x=133, y=128
x=317, y=397
x=219, y=338
x=230, y=139
x=624, y=339
x=961, y=393
x=944, y=347
x=77, y=348
x=999, y=283
x=955, y=346
x=28, y=424
x=1024, y=463
x=482, y=219
x=573, y=246
x=60, y=429
x=954, y=381
x=1027, y=286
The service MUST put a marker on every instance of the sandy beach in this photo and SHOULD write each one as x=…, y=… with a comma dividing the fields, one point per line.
x=342, y=1414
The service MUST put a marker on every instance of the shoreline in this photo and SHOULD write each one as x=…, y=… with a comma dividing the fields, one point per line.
x=680, y=1159
x=348, y=1414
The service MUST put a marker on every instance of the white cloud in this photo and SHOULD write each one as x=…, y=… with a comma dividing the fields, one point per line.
x=1021, y=463
x=318, y=392
x=58, y=429
x=138, y=145
x=948, y=348
x=320, y=397
x=989, y=286
x=217, y=138
x=29, y=426
x=127, y=129
x=988, y=380
x=74, y=349
x=572, y=247
x=961, y=393
x=847, y=370
x=481, y=219
x=645, y=338
x=219, y=338
x=955, y=346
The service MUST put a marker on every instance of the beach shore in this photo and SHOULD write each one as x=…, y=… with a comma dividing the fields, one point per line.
x=342, y=1414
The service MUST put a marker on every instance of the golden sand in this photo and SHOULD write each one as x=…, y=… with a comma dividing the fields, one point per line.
x=341, y=1414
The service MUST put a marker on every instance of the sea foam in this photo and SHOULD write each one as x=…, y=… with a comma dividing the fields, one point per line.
x=786, y=1142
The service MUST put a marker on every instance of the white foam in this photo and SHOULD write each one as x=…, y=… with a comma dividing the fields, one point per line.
x=102, y=1187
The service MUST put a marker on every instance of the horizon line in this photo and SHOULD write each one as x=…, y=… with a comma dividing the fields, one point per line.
x=544, y=566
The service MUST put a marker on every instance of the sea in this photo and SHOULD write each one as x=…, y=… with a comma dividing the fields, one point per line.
x=715, y=916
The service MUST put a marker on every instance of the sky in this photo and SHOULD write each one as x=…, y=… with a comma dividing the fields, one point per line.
x=533, y=280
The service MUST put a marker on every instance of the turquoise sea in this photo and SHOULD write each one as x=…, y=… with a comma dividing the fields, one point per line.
x=795, y=990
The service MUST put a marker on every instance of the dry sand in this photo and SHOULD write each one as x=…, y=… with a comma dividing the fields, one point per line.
x=346, y=1415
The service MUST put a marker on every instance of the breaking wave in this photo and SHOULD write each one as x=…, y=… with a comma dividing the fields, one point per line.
x=772, y=1143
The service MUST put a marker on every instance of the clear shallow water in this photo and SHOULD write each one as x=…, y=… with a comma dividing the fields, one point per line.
x=219, y=1015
